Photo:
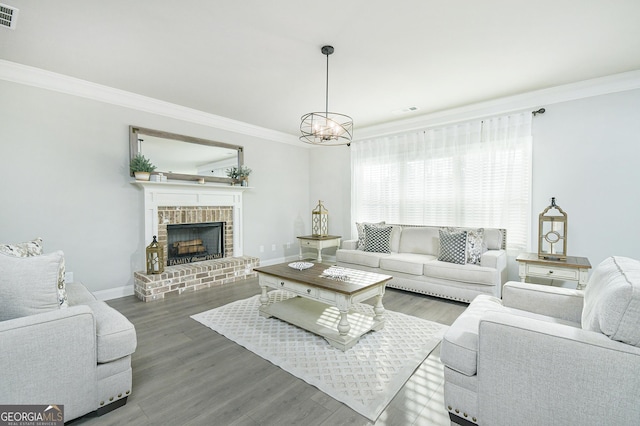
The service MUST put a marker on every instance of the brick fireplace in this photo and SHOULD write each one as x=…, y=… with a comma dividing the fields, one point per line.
x=175, y=203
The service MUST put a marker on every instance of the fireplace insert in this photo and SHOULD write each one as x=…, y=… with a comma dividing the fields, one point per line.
x=194, y=242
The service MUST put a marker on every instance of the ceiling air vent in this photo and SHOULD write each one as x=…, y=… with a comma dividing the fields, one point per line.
x=404, y=110
x=8, y=16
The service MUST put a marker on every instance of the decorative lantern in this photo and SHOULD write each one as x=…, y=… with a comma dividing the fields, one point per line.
x=552, y=233
x=320, y=221
x=155, y=258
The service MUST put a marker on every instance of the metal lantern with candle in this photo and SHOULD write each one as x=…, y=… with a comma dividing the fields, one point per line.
x=320, y=221
x=552, y=233
x=155, y=258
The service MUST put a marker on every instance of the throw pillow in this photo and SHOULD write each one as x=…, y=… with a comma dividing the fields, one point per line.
x=361, y=232
x=28, y=285
x=453, y=246
x=62, y=286
x=475, y=245
x=28, y=248
x=612, y=300
x=377, y=239
x=34, y=248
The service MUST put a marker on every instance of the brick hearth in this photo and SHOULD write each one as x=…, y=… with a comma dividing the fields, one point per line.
x=193, y=276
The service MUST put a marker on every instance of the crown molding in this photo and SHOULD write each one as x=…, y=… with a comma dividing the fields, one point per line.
x=37, y=77
x=534, y=100
x=31, y=76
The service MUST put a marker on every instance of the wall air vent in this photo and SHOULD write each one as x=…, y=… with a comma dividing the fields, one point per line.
x=8, y=16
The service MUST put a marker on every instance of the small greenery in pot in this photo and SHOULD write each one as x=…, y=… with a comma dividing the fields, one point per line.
x=239, y=174
x=141, y=167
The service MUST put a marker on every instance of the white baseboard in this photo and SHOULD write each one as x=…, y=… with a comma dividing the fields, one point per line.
x=114, y=293
x=275, y=261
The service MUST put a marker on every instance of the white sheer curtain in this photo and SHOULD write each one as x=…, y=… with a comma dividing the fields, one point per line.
x=475, y=174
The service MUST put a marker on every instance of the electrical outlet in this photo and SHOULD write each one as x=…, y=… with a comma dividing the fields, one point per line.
x=288, y=245
x=261, y=249
x=68, y=277
x=273, y=247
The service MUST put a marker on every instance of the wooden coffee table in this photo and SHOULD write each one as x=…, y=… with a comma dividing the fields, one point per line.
x=324, y=304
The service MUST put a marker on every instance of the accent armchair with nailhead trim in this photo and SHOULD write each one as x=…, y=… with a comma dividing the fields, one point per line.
x=549, y=356
x=79, y=357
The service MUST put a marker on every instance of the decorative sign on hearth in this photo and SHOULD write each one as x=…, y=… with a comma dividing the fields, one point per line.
x=155, y=258
x=552, y=233
x=320, y=221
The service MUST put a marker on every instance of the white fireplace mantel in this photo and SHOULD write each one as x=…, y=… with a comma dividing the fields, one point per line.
x=191, y=194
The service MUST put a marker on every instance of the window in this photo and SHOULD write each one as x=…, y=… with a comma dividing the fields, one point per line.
x=474, y=174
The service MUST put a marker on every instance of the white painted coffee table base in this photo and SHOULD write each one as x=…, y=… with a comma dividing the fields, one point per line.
x=323, y=312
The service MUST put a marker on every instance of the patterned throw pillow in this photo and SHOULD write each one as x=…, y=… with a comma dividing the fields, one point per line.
x=28, y=248
x=361, y=232
x=475, y=245
x=34, y=248
x=377, y=238
x=453, y=246
x=62, y=286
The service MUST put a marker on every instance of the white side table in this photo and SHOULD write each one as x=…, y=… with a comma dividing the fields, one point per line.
x=574, y=268
x=318, y=243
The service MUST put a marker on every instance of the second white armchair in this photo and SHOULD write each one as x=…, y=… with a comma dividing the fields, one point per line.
x=549, y=356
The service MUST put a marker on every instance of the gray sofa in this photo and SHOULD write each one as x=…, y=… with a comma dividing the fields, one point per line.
x=413, y=262
x=76, y=353
x=548, y=355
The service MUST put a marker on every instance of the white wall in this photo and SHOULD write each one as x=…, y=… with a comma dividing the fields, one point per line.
x=330, y=181
x=64, y=173
x=585, y=153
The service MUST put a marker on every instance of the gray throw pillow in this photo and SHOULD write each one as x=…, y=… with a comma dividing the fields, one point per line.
x=453, y=246
x=34, y=248
x=28, y=285
x=377, y=238
x=612, y=300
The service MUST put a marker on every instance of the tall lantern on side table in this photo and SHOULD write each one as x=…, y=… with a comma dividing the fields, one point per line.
x=552, y=233
x=320, y=221
x=155, y=258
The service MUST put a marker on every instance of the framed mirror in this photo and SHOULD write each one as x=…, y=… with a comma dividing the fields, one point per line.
x=181, y=157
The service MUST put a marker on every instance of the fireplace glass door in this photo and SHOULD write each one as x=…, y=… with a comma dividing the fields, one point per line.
x=194, y=242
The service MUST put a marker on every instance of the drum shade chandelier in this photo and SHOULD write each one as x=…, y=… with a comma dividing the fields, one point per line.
x=326, y=128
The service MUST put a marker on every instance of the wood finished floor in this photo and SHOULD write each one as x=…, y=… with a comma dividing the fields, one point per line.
x=186, y=374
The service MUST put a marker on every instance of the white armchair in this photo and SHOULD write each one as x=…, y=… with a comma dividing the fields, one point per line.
x=547, y=355
x=76, y=354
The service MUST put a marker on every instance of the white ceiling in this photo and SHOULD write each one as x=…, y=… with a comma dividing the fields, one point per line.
x=259, y=61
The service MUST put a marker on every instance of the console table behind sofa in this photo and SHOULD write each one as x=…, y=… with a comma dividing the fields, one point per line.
x=414, y=265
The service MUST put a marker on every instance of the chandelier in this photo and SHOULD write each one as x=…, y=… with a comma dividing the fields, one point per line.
x=326, y=128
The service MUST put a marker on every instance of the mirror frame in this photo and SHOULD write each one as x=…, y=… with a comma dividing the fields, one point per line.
x=134, y=131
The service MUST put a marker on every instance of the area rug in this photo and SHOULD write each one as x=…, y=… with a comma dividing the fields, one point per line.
x=366, y=377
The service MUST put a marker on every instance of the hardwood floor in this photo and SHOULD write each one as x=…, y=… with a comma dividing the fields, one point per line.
x=186, y=374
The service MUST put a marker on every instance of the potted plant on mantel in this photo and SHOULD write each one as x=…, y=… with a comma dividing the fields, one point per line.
x=141, y=167
x=239, y=175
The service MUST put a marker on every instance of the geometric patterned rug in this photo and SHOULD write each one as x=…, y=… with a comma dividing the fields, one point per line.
x=365, y=377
